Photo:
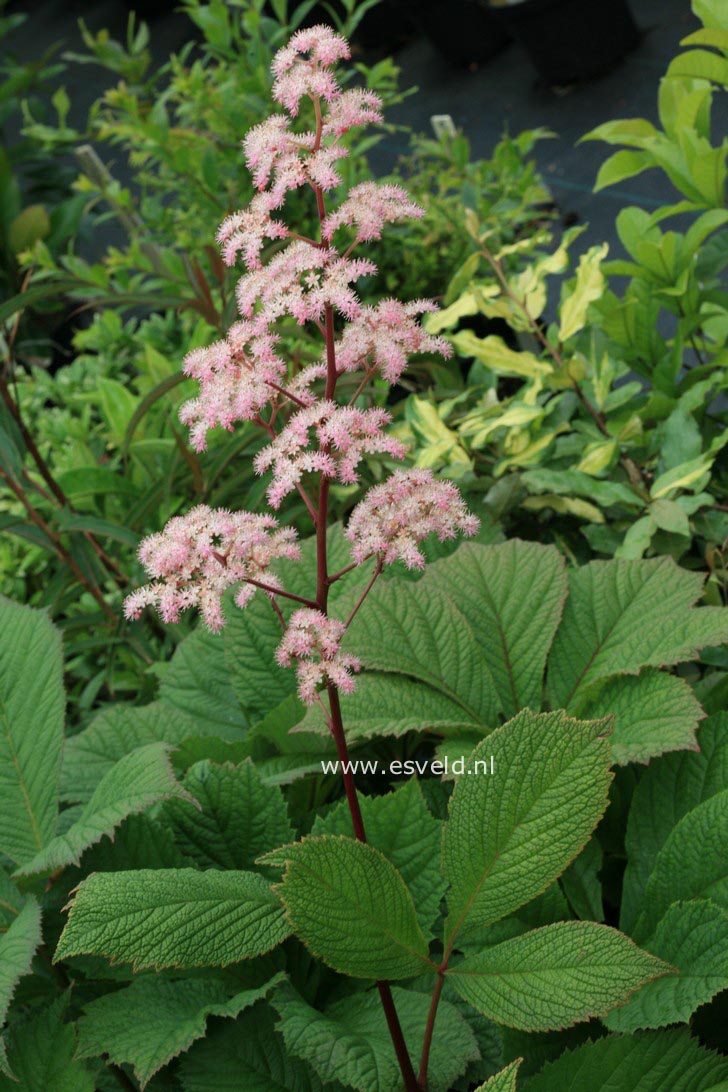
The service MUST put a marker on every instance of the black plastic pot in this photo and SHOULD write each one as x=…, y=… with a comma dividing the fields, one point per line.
x=570, y=40
x=464, y=31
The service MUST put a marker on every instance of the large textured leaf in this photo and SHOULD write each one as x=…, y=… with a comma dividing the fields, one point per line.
x=668, y=790
x=197, y=682
x=156, y=1018
x=137, y=782
x=625, y=615
x=393, y=705
x=113, y=733
x=690, y=865
x=505, y=1081
x=692, y=936
x=653, y=712
x=402, y=827
x=140, y=842
x=31, y=729
x=658, y=1061
x=511, y=833
x=17, y=948
x=350, y=1042
x=512, y=595
x=238, y=818
x=42, y=1055
x=173, y=918
x=351, y=908
x=411, y=630
x=249, y=1054
x=554, y=977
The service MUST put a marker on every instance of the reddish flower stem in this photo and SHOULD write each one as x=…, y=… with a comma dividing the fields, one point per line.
x=429, y=1029
x=322, y=596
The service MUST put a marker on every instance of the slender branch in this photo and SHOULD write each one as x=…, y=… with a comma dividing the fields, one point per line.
x=13, y=408
x=280, y=591
x=286, y=394
x=345, y=570
x=368, y=375
x=365, y=593
x=36, y=518
x=430, y=1027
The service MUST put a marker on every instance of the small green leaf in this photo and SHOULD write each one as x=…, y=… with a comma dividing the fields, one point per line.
x=173, y=918
x=505, y=1081
x=351, y=908
x=551, y=978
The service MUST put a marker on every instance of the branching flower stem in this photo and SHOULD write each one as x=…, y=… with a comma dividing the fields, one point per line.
x=322, y=594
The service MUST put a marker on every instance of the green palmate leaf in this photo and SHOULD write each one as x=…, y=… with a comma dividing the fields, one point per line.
x=511, y=834
x=17, y=948
x=198, y=683
x=505, y=1081
x=512, y=595
x=137, y=782
x=692, y=936
x=612, y=601
x=668, y=790
x=351, y=908
x=690, y=865
x=113, y=733
x=401, y=826
x=249, y=1054
x=393, y=705
x=156, y=1018
x=31, y=729
x=662, y=1061
x=554, y=977
x=42, y=1055
x=350, y=1041
x=237, y=820
x=407, y=631
x=173, y=918
x=653, y=713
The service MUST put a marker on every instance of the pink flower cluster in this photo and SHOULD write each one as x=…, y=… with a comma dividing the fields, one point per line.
x=199, y=555
x=345, y=436
x=383, y=337
x=312, y=641
x=396, y=516
x=368, y=207
x=235, y=376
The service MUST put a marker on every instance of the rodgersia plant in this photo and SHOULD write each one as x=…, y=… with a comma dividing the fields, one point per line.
x=263, y=933
x=317, y=434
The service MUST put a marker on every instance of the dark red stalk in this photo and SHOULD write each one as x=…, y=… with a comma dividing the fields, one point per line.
x=322, y=595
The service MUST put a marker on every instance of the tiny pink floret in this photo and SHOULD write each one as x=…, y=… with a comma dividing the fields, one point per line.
x=312, y=641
